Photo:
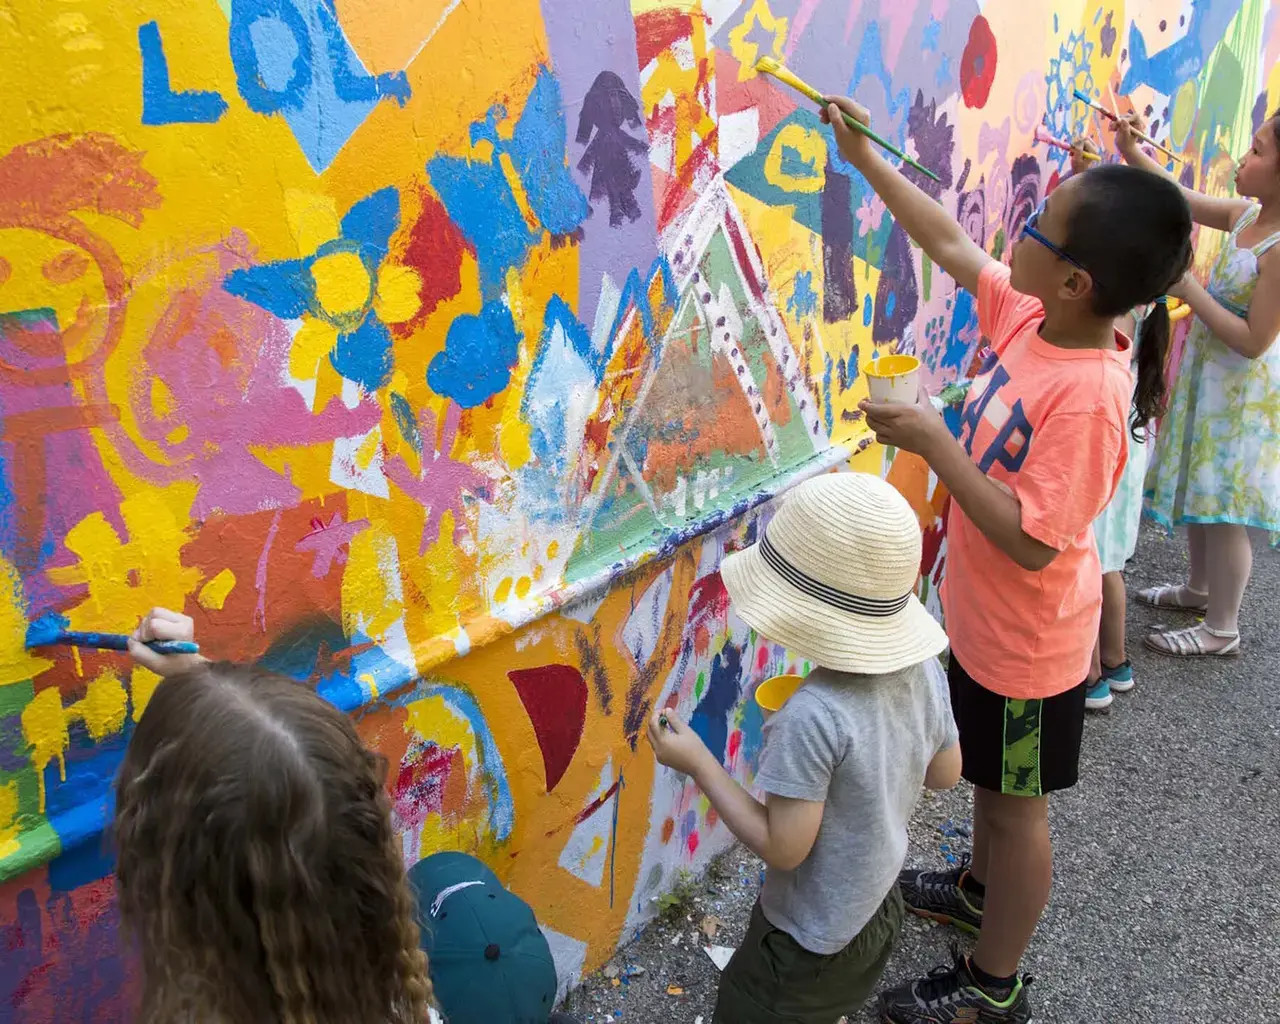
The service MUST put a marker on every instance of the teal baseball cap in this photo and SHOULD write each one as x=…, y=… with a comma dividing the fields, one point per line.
x=489, y=962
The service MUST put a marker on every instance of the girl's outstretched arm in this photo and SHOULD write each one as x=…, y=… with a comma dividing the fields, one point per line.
x=932, y=227
x=1249, y=336
x=1211, y=211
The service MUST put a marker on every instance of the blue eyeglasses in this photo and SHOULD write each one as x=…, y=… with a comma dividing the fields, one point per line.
x=1029, y=230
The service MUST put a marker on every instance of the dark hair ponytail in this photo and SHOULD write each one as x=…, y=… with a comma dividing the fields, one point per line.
x=1131, y=229
x=1149, y=398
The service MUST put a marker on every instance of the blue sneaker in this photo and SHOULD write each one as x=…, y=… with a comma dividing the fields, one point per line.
x=1098, y=696
x=1120, y=678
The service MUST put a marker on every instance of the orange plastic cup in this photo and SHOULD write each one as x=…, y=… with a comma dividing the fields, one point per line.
x=773, y=693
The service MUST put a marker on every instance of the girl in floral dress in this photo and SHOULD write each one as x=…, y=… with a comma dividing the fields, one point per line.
x=1215, y=468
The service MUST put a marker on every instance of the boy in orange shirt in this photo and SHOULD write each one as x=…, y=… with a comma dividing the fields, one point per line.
x=1041, y=449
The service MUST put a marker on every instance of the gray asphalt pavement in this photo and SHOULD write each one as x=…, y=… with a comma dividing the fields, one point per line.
x=1166, y=900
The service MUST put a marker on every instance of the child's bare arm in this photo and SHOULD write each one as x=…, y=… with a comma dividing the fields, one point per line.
x=932, y=227
x=944, y=770
x=1249, y=336
x=780, y=833
x=992, y=506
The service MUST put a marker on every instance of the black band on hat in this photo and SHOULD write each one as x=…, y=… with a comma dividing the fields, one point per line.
x=806, y=584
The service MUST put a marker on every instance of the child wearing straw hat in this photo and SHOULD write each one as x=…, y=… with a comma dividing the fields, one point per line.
x=831, y=578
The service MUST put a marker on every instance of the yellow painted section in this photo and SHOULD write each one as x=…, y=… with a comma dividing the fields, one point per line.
x=342, y=283
x=213, y=595
x=142, y=684
x=126, y=578
x=9, y=824
x=16, y=662
x=44, y=726
x=103, y=707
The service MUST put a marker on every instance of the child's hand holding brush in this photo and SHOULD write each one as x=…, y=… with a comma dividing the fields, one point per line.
x=854, y=146
x=1129, y=135
x=163, y=624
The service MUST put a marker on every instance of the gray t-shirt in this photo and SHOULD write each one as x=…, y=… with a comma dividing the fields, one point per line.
x=861, y=745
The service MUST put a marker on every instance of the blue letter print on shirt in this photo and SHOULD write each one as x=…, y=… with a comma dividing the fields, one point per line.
x=1012, y=426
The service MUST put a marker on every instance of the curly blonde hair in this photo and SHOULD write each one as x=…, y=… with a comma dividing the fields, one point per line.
x=257, y=866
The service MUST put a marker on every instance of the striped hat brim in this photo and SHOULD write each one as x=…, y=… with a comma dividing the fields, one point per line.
x=831, y=636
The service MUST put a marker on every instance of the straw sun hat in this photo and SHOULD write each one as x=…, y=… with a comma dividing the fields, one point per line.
x=832, y=577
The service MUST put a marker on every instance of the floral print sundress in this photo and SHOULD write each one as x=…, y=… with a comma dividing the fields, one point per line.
x=1216, y=458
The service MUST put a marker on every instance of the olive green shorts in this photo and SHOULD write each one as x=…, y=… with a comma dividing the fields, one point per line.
x=772, y=979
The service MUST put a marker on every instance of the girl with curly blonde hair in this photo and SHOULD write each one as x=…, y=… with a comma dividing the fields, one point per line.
x=257, y=866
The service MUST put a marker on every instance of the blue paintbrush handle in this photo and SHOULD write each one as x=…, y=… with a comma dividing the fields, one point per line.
x=174, y=647
x=120, y=642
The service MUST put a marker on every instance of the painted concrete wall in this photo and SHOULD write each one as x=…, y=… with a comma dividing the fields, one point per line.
x=435, y=351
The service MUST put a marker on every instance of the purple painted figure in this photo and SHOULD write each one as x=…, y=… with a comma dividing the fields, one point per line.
x=608, y=159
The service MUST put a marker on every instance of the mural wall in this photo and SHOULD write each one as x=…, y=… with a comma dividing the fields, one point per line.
x=434, y=352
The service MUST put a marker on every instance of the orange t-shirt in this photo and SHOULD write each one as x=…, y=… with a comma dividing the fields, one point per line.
x=1049, y=423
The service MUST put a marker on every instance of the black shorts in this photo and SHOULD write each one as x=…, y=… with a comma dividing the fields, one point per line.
x=1017, y=747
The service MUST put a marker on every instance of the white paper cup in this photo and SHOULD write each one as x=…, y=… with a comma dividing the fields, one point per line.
x=894, y=380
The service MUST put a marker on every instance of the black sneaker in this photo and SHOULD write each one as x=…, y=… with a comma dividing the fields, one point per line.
x=940, y=896
x=950, y=995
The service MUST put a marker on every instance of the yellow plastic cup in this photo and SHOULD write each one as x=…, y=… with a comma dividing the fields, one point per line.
x=773, y=693
x=894, y=380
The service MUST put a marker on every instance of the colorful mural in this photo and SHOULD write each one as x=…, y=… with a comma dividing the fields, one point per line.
x=434, y=352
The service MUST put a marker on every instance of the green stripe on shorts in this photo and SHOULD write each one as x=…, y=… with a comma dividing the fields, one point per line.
x=1022, y=720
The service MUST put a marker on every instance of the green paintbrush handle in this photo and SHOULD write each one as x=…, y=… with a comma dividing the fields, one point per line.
x=884, y=143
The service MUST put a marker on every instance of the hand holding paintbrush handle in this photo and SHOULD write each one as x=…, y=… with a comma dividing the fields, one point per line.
x=164, y=642
x=769, y=66
x=1133, y=120
x=1129, y=135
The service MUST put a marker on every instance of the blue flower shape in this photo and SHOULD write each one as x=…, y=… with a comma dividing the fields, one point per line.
x=346, y=291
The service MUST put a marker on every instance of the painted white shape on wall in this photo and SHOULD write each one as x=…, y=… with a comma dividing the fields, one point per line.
x=739, y=136
x=586, y=854
x=570, y=956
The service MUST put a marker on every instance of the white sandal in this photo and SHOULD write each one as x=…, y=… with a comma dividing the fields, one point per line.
x=1189, y=643
x=1170, y=596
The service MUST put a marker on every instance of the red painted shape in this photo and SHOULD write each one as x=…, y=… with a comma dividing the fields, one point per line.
x=772, y=102
x=434, y=249
x=658, y=31
x=555, y=698
x=692, y=843
x=708, y=599
x=978, y=65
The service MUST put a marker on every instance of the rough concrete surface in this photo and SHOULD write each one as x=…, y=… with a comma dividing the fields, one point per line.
x=1167, y=864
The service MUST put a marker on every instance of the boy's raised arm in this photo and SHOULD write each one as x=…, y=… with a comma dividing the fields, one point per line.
x=932, y=227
